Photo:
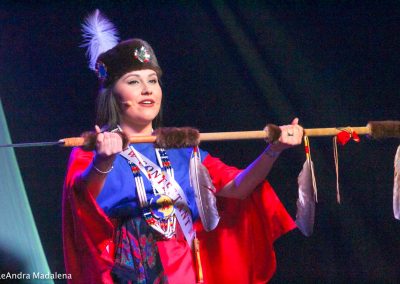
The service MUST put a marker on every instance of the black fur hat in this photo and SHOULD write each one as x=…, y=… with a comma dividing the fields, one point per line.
x=127, y=56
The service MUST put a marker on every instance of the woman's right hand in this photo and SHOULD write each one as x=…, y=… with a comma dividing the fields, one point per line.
x=108, y=145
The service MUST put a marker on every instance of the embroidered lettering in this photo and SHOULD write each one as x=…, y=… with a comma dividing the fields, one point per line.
x=156, y=174
x=184, y=213
x=149, y=168
x=162, y=180
x=179, y=197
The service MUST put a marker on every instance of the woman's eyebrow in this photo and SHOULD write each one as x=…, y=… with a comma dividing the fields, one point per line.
x=138, y=76
x=130, y=75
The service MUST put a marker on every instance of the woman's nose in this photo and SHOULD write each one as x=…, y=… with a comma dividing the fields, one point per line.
x=146, y=90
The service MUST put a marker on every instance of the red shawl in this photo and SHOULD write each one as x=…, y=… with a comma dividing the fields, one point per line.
x=239, y=250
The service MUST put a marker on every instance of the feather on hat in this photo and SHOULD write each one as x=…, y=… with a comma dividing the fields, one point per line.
x=99, y=35
x=110, y=59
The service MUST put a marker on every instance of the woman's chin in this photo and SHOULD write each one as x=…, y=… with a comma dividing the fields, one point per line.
x=139, y=122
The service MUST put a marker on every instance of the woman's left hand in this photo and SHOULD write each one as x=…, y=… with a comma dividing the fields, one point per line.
x=291, y=135
x=244, y=183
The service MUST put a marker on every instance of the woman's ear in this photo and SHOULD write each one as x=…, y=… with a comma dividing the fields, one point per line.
x=127, y=104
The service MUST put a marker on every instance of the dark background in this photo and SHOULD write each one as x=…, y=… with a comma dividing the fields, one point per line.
x=229, y=67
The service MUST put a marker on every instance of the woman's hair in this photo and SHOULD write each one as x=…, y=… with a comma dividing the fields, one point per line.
x=108, y=110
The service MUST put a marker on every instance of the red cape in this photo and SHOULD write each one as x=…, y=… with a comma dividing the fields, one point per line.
x=239, y=250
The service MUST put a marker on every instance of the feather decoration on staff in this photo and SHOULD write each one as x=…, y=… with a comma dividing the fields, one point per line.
x=342, y=138
x=99, y=35
x=305, y=214
x=204, y=192
x=396, y=186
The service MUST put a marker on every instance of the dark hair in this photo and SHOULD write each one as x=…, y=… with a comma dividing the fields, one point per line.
x=108, y=110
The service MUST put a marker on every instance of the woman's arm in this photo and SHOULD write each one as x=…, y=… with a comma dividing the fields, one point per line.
x=108, y=145
x=243, y=185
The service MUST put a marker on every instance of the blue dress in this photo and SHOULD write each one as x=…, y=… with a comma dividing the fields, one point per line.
x=137, y=259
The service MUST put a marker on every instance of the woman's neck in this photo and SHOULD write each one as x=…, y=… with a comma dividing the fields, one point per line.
x=135, y=130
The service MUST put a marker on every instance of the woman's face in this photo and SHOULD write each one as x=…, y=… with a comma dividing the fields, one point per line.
x=140, y=95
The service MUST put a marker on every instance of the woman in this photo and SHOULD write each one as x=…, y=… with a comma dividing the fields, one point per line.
x=129, y=213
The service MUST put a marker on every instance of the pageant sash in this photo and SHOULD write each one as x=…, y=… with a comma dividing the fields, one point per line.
x=164, y=184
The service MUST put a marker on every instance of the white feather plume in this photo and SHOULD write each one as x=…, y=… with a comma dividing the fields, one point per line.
x=99, y=35
x=396, y=186
x=203, y=192
x=305, y=215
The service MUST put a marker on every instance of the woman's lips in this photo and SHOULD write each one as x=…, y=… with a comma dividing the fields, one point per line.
x=147, y=102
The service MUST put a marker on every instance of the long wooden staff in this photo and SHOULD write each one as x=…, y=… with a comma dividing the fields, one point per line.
x=186, y=137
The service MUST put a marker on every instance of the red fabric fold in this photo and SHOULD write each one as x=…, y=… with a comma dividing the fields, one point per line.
x=176, y=258
x=240, y=249
x=87, y=232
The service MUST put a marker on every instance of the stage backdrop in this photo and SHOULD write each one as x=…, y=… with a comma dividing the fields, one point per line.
x=228, y=67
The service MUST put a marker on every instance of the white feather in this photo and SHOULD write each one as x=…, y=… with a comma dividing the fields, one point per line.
x=396, y=185
x=99, y=35
x=305, y=215
x=204, y=193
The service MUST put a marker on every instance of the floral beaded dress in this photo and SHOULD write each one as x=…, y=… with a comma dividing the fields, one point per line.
x=136, y=257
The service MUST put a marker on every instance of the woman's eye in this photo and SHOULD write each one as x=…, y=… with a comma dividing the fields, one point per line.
x=133, y=82
x=153, y=81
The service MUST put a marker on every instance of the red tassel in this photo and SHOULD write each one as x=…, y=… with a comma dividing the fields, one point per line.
x=344, y=136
